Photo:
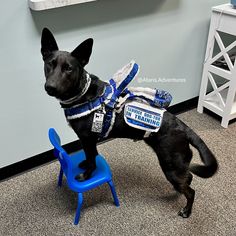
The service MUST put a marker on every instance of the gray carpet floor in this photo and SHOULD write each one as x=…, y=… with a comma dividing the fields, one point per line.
x=31, y=204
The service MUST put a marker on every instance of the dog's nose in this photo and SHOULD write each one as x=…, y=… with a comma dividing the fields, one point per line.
x=51, y=90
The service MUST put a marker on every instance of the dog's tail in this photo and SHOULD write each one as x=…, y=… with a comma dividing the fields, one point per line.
x=210, y=163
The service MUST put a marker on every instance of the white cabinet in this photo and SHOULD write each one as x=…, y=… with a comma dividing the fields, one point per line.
x=221, y=97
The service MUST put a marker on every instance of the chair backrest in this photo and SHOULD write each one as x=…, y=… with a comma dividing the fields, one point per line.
x=59, y=151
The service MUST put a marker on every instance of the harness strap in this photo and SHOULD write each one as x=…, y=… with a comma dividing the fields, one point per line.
x=132, y=71
x=86, y=108
x=108, y=122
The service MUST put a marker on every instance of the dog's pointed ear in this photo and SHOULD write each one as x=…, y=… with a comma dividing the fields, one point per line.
x=83, y=51
x=48, y=43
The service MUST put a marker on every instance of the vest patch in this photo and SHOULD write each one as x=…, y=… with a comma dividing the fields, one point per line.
x=143, y=116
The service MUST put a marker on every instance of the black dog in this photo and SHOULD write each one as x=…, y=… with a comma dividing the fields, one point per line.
x=66, y=80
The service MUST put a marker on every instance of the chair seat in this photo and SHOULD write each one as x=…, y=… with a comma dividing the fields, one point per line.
x=100, y=175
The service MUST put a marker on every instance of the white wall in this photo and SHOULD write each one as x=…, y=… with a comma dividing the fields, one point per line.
x=166, y=37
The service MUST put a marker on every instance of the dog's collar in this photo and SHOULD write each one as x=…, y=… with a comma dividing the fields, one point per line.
x=86, y=108
x=75, y=98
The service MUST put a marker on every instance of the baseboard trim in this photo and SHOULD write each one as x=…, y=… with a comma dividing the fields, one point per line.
x=35, y=161
x=183, y=106
x=47, y=157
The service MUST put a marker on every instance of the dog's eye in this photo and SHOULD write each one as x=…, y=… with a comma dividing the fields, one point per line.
x=67, y=68
x=52, y=63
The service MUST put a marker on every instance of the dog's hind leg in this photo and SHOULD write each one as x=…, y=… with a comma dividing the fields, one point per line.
x=189, y=193
x=190, y=178
x=181, y=184
x=174, y=156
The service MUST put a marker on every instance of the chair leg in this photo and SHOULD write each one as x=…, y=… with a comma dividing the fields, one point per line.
x=60, y=177
x=112, y=187
x=77, y=215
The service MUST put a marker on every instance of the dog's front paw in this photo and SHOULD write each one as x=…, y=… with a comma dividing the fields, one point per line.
x=184, y=212
x=82, y=177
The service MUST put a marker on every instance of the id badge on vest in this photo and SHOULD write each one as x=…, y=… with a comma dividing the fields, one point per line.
x=97, y=122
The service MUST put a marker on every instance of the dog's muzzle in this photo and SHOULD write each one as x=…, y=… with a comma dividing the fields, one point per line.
x=50, y=89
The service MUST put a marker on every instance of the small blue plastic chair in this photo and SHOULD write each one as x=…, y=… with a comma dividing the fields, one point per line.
x=70, y=168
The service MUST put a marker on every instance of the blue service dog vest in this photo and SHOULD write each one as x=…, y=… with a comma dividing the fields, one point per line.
x=143, y=107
